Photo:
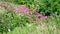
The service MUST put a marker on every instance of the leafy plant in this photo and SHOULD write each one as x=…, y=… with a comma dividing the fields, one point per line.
x=48, y=6
x=9, y=20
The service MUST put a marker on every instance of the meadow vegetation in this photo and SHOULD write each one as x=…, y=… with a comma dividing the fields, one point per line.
x=29, y=16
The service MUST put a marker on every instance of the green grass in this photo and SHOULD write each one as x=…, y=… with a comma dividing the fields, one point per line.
x=41, y=29
x=45, y=27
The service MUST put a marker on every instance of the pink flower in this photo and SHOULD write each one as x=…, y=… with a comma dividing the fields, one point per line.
x=16, y=11
x=46, y=17
x=40, y=15
x=21, y=8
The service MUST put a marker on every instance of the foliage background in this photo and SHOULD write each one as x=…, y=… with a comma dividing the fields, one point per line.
x=20, y=23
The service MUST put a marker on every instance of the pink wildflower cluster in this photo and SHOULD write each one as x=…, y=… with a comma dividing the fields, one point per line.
x=41, y=17
x=24, y=10
x=21, y=8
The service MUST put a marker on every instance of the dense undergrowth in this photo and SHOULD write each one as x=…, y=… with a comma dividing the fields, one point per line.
x=30, y=17
x=45, y=6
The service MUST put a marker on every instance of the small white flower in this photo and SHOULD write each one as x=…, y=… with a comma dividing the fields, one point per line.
x=9, y=30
